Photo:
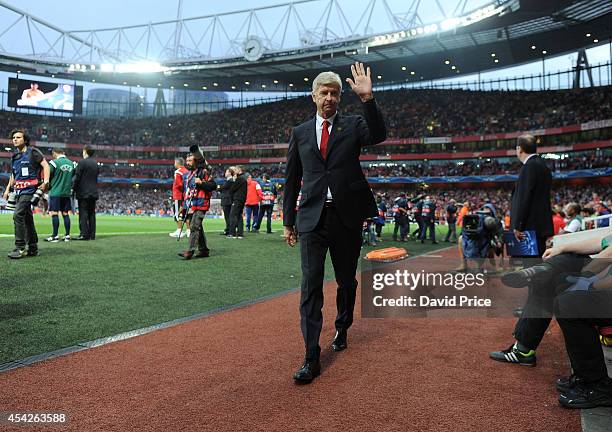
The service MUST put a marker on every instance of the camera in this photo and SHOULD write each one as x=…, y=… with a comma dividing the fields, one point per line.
x=11, y=201
x=196, y=151
x=481, y=232
x=37, y=197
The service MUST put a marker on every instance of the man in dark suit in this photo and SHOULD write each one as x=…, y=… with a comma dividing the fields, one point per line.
x=335, y=200
x=85, y=187
x=226, y=199
x=530, y=211
x=238, y=192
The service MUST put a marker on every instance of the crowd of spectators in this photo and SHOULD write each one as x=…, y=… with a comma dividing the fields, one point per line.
x=586, y=160
x=409, y=113
x=590, y=197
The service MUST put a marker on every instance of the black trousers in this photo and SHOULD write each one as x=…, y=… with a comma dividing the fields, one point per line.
x=87, y=218
x=267, y=211
x=579, y=314
x=344, y=245
x=426, y=224
x=538, y=309
x=236, y=225
x=197, y=238
x=452, y=232
x=23, y=219
x=403, y=226
x=226, y=215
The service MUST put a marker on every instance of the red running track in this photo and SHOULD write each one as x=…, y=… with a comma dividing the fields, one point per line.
x=232, y=372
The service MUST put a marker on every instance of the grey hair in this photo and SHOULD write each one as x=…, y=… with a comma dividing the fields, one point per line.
x=327, y=78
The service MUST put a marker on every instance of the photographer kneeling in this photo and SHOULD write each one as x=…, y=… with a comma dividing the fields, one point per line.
x=198, y=191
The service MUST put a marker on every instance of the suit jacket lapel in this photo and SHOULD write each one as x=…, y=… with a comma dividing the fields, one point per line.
x=337, y=128
x=312, y=139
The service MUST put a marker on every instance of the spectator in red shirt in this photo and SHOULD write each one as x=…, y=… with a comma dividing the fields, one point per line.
x=558, y=220
x=254, y=195
x=177, y=194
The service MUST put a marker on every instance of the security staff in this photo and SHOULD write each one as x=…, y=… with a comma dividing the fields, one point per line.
x=266, y=205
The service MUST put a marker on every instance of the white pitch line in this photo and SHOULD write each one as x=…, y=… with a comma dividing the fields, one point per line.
x=122, y=233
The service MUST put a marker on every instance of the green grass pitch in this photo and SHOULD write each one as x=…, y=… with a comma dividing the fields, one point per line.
x=131, y=277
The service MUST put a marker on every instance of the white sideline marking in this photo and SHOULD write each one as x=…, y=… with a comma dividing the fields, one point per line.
x=121, y=233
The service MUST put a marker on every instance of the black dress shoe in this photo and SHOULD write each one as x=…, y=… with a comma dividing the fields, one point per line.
x=81, y=238
x=307, y=372
x=202, y=254
x=187, y=255
x=591, y=395
x=339, y=342
x=566, y=384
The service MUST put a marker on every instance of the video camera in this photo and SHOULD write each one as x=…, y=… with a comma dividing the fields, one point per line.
x=481, y=231
x=201, y=162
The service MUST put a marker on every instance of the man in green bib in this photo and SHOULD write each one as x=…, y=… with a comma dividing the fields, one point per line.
x=62, y=170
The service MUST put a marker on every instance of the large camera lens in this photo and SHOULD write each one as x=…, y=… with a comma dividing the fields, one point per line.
x=36, y=197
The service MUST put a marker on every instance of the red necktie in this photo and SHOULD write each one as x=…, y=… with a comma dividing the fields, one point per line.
x=324, y=138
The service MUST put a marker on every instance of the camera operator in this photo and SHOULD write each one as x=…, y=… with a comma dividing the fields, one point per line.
x=480, y=237
x=198, y=191
x=28, y=165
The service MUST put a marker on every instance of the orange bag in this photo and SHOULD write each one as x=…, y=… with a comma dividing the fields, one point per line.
x=389, y=254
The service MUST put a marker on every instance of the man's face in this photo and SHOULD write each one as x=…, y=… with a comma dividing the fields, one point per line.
x=190, y=162
x=326, y=98
x=18, y=140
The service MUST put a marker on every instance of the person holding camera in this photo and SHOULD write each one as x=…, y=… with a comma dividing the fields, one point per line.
x=28, y=165
x=198, y=191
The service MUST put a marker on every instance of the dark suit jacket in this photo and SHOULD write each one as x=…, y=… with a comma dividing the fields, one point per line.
x=340, y=171
x=85, y=182
x=238, y=190
x=226, y=196
x=531, y=199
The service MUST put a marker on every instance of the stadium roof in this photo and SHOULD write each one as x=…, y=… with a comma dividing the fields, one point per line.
x=495, y=35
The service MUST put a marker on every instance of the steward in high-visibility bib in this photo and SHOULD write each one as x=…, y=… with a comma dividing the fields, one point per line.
x=266, y=205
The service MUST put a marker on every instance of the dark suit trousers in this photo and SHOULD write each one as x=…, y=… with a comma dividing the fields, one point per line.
x=344, y=246
x=236, y=225
x=87, y=218
x=538, y=309
x=579, y=314
x=226, y=215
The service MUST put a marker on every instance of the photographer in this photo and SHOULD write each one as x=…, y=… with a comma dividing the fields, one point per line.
x=480, y=237
x=198, y=191
x=28, y=166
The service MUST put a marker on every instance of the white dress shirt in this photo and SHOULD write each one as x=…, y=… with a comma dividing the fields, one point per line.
x=529, y=157
x=319, y=129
